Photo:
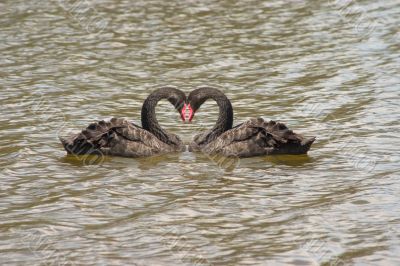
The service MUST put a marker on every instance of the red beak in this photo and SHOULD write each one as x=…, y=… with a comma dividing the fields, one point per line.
x=183, y=112
x=191, y=113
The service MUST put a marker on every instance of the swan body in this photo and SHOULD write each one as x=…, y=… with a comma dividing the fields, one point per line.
x=254, y=137
x=120, y=137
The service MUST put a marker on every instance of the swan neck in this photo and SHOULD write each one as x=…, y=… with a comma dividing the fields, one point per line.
x=149, y=120
x=225, y=117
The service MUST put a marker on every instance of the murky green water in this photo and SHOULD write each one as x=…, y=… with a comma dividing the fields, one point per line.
x=325, y=68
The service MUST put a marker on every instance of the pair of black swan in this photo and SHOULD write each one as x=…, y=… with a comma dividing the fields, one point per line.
x=121, y=137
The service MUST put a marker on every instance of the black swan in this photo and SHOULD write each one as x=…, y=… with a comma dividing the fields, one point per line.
x=252, y=138
x=121, y=137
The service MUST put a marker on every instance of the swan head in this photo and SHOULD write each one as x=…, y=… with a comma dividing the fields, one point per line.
x=194, y=101
x=198, y=96
x=178, y=99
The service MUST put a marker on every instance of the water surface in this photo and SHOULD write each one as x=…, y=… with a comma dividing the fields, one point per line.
x=325, y=68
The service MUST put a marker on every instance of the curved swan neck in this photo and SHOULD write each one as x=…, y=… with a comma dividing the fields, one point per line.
x=225, y=116
x=149, y=120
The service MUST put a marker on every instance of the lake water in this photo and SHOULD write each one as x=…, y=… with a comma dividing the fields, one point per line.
x=325, y=68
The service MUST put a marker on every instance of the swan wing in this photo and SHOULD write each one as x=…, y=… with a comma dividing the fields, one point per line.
x=257, y=137
x=115, y=137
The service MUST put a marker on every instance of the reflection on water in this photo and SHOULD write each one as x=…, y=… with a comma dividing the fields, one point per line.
x=327, y=69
